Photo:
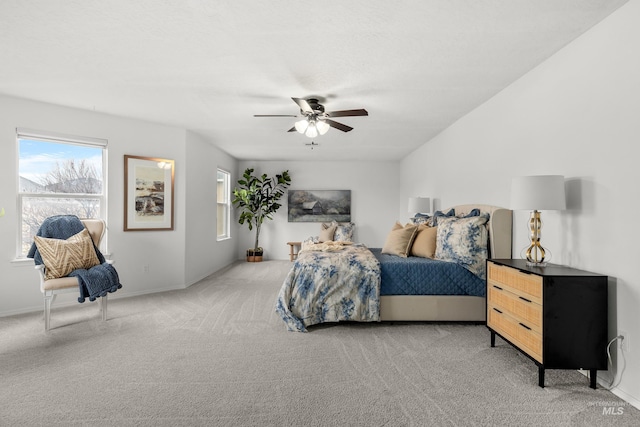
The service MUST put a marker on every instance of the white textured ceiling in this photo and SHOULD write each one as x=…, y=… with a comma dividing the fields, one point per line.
x=417, y=66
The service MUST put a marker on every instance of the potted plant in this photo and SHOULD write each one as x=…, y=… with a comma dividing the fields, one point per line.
x=257, y=198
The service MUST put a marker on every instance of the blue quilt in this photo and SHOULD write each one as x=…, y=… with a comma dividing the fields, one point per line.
x=424, y=276
x=331, y=285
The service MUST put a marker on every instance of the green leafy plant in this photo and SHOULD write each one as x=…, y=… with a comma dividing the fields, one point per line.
x=258, y=197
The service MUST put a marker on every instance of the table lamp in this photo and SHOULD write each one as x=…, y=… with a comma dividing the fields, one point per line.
x=537, y=193
x=419, y=205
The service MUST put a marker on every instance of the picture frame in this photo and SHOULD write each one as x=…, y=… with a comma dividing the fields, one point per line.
x=319, y=205
x=148, y=193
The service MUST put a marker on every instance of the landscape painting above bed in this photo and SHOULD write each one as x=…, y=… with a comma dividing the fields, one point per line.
x=319, y=205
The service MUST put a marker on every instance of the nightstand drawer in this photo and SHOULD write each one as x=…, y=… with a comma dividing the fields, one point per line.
x=517, y=306
x=529, y=285
x=517, y=332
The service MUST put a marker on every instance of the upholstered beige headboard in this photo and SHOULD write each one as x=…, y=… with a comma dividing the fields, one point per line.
x=500, y=227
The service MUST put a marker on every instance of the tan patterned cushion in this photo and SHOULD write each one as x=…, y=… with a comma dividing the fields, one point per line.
x=61, y=257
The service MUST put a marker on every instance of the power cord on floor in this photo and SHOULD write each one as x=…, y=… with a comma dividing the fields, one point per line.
x=624, y=363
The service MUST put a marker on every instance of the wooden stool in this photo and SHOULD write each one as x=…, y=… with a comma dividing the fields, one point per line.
x=293, y=253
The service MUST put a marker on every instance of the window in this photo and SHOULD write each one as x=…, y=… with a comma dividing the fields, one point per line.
x=224, y=204
x=58, y=175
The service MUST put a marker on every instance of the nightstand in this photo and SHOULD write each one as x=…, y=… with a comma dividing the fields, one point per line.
x=294, y=248
x=555, y=315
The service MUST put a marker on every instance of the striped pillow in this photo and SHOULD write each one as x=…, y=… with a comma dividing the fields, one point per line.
x=61, y=257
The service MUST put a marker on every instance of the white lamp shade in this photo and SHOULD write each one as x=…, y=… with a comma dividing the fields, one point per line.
x=539, y=192
x=311, y=131
x=322, y=127
x=301, y=125
x=419, y=205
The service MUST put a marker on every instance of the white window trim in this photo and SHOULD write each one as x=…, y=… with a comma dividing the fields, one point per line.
x=25, y=133
x=59, y=137
x=227, y=205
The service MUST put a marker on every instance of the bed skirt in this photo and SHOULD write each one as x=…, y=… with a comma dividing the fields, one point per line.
x=433, y=308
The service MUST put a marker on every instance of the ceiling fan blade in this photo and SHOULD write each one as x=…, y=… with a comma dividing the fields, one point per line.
x=274, y=115
x=339, y=126
x=346, y=113
x=303, y=104
x=293, y=129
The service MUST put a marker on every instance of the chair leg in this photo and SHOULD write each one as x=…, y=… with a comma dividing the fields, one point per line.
x=48, y=300
x=103, y=307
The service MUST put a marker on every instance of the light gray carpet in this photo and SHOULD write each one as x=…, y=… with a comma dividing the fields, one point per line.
x=217, y=354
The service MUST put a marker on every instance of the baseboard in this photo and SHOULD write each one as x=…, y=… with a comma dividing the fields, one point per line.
x=606, y=383
x=112, y=296
x=626, y=397
x=22, y=311
x=213, y=273
x=116, y=295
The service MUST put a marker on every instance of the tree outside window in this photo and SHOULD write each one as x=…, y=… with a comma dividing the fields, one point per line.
x=58, y=177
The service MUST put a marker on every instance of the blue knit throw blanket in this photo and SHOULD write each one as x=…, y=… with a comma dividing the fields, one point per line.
x=94, y=282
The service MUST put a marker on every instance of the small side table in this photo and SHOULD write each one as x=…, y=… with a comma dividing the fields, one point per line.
x=294, y=247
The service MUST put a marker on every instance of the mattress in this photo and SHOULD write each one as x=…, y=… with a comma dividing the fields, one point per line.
x=424, y=276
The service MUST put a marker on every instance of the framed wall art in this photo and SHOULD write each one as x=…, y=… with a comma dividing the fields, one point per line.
x=319, y=205
x=148, y=193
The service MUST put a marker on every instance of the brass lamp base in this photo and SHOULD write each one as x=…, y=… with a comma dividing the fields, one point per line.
x=535, y=251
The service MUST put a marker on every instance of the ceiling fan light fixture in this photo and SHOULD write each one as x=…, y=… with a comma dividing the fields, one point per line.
x=301, y=125
x=322, y=127
x=311, y=131
x=314, y=120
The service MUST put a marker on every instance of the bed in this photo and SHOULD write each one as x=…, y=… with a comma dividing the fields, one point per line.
x=350, y=282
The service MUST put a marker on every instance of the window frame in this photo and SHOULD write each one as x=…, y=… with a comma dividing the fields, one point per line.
x=59, y=138
x=226, y=204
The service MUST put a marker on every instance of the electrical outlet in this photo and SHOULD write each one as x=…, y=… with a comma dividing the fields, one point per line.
x=146, y=269
x=624, y=342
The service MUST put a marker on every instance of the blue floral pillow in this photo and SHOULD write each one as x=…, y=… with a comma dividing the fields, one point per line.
x=420, y=219
x=433, y=221
x=344, y=231
x=451, y=212
x=464, y=241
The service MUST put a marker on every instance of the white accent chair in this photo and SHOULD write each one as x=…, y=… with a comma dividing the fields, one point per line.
x=52, y=287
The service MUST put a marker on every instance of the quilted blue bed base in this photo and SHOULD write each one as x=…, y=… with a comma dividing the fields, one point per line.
x=424, y=276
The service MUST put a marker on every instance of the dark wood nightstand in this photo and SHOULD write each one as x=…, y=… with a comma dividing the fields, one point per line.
x=555, y=315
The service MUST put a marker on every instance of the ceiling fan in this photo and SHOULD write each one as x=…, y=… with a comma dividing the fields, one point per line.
x=315, y=120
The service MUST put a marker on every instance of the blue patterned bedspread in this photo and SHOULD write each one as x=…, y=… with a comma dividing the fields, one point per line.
x=331, y=286
x=424, y=276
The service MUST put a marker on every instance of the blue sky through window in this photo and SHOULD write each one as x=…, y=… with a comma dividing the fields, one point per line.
x=37, y=158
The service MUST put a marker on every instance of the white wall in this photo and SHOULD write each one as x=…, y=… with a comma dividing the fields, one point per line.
x=164, y=252
x=374, y=201
x=574, y=115
x=204, y=255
